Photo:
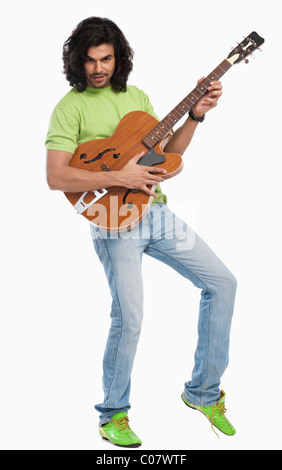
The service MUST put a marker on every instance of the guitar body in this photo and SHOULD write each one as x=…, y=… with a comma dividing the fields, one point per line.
x=116, y=208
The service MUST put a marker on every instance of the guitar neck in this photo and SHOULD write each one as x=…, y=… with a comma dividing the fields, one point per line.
x=165, y=126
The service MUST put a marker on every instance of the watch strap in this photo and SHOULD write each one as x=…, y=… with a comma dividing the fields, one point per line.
x=196, y=118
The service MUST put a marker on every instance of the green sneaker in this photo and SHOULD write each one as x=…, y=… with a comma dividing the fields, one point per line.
x=216, y=415
x=118, y=431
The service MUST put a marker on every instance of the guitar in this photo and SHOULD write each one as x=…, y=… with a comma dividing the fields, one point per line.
x=117, y=208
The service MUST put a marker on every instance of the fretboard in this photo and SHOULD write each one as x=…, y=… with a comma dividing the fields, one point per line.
x=165, y=126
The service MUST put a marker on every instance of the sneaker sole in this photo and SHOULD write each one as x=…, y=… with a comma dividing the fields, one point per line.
x=120, y=445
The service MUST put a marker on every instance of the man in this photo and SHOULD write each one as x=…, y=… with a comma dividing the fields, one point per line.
x=97, y=62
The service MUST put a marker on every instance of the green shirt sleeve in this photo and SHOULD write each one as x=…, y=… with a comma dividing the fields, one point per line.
x=63, y=131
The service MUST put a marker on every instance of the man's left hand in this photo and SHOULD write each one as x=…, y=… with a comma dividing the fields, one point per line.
x=209, y=100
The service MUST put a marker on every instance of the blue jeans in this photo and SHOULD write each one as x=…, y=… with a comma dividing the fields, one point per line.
x=165, y=237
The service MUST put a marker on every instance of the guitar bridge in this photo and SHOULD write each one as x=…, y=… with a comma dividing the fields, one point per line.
x=82, y=206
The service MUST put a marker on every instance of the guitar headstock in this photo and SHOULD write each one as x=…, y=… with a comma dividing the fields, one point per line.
x=245, y=48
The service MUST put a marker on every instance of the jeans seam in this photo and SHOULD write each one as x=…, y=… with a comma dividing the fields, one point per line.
x=116, y=300
x=209, y=351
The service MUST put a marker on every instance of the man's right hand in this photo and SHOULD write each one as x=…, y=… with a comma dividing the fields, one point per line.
x=134, y=176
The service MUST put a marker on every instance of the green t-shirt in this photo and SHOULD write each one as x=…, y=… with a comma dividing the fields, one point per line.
x=94, y=114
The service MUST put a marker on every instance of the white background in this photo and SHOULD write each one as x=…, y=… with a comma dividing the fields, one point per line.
x=55, y=300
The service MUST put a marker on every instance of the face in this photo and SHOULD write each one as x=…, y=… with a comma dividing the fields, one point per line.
x=99, y=65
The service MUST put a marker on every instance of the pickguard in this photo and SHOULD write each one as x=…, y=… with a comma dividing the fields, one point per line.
x=151, y=158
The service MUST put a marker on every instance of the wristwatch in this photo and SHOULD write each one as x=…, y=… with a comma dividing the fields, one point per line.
x=196, y=118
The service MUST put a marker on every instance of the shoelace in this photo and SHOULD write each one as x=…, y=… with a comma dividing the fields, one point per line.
x=122, y=423
x=221, y=409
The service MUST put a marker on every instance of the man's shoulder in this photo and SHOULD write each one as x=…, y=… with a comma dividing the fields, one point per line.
x=141, y=99
x=137, y=95
x=70, y=99
x=132, y=89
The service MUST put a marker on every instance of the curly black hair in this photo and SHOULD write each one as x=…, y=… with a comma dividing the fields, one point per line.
x=95, y=31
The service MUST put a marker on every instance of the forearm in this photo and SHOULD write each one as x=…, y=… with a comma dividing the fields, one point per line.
x=65, y=178
x=74, y=180
x=181, y=137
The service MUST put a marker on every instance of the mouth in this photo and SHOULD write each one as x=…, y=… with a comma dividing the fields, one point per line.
x=98, y=78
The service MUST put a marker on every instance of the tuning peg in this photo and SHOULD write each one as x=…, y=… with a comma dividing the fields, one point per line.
x=246, y=61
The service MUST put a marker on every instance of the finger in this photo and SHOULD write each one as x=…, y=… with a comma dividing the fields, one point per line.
x=137, y=157
x=148, y=191
x=149, y=169
x=215, y=82
x=200, y=80
x=211, y=102
x=150, y=178
x=214, y=90
x=215, y=86
x=154, y=180
x=214, y=94
x=153, y=169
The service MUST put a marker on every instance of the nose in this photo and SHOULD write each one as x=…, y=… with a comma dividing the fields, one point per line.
x=98, y=68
